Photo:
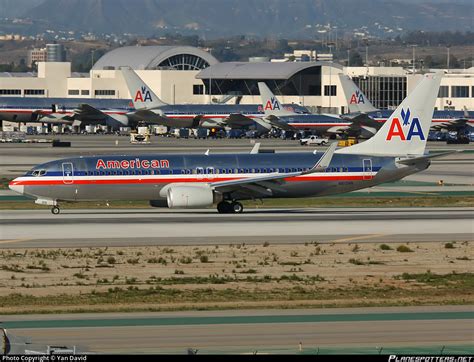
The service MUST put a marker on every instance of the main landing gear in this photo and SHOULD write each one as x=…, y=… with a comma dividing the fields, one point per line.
x=55, y=210
x=233, y=207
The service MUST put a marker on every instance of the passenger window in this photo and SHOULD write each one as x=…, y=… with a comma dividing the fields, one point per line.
x=224, y=171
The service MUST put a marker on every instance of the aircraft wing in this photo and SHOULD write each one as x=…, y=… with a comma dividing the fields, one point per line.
x=85, y=111
x=150, y=117
x=237, y=120
x=265, y=185
x=450, y=125
x=278, y=123
x=53, y=118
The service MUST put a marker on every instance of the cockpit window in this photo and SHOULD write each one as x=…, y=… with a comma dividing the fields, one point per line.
x=38, y=173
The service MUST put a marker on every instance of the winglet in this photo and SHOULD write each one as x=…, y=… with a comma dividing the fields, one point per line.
x=324, y=161
x=255, y=148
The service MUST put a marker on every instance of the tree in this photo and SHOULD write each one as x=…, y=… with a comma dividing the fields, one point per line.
x=428, y=61
x=453, y=62
x=355, y=60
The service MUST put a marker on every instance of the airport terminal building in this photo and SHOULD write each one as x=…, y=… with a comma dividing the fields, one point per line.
x=184, y=74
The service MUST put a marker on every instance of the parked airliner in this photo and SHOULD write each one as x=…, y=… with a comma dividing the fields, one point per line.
x=202, y=180
x=151, y=108
x=110, y=112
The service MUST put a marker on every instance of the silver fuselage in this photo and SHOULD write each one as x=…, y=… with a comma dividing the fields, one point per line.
x=142, y=177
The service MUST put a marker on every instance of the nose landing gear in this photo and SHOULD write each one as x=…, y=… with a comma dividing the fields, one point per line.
x=55, y=210
x=233, y=207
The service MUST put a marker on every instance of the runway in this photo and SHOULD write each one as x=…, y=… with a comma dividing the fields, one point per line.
x=133, y=227
x=245, y=331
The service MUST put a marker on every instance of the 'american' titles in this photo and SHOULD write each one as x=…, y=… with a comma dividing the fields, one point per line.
x=126, y=164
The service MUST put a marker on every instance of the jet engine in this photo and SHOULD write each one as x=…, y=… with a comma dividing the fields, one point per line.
x=116, y=121
x=192, y=196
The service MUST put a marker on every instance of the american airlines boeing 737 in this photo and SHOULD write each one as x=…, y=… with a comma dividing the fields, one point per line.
x=201, y=180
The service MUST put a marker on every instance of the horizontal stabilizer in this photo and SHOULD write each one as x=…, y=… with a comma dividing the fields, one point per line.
x=415, y=160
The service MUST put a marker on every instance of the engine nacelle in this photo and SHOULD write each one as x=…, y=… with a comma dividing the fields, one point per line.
x=116, y=121
x=159, y=203
x=192, y=196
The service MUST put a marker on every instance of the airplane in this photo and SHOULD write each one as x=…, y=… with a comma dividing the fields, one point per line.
x=371, y=118
x=111, y=112
x=321, y=124
x=360, y=109
x=202, y=180
x=150, y=108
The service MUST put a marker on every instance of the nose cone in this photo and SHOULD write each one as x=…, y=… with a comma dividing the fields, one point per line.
x=16, y=186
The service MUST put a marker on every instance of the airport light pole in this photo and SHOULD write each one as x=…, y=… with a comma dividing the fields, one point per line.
x=92, y=58
x=447, y=59
x=330, y=45
x=366, y=52
x=413, y=60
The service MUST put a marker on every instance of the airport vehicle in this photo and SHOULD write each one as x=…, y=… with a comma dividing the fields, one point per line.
x=458, y=137
x=150, y=108
x=437, y=136
x=202, y=180
x=314, y=140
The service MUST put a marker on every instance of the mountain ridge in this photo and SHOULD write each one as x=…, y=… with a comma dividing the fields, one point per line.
x=214, y=18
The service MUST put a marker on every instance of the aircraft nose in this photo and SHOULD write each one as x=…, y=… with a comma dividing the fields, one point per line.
x=16, y=187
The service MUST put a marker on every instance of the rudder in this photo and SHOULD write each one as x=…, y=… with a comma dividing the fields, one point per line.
x=406, y=131
x=142, y=96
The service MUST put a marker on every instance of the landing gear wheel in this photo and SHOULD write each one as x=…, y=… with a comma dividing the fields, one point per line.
x=55, y=210
x=237, y=207
x=223, y=207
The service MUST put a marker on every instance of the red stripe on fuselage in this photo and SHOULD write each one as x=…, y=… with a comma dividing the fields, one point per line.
x=169, y=180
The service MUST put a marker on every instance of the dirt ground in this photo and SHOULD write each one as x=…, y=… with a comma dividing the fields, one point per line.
x=271, y=268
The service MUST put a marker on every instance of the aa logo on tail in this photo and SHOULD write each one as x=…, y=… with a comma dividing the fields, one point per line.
x=272, y=104
x=143, y=95
x=357, y=98
x=397, y=129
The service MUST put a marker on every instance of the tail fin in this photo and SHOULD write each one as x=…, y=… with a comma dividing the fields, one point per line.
x=142, y=96
x=406, y=131
x=357, y=101
x=271, y=105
